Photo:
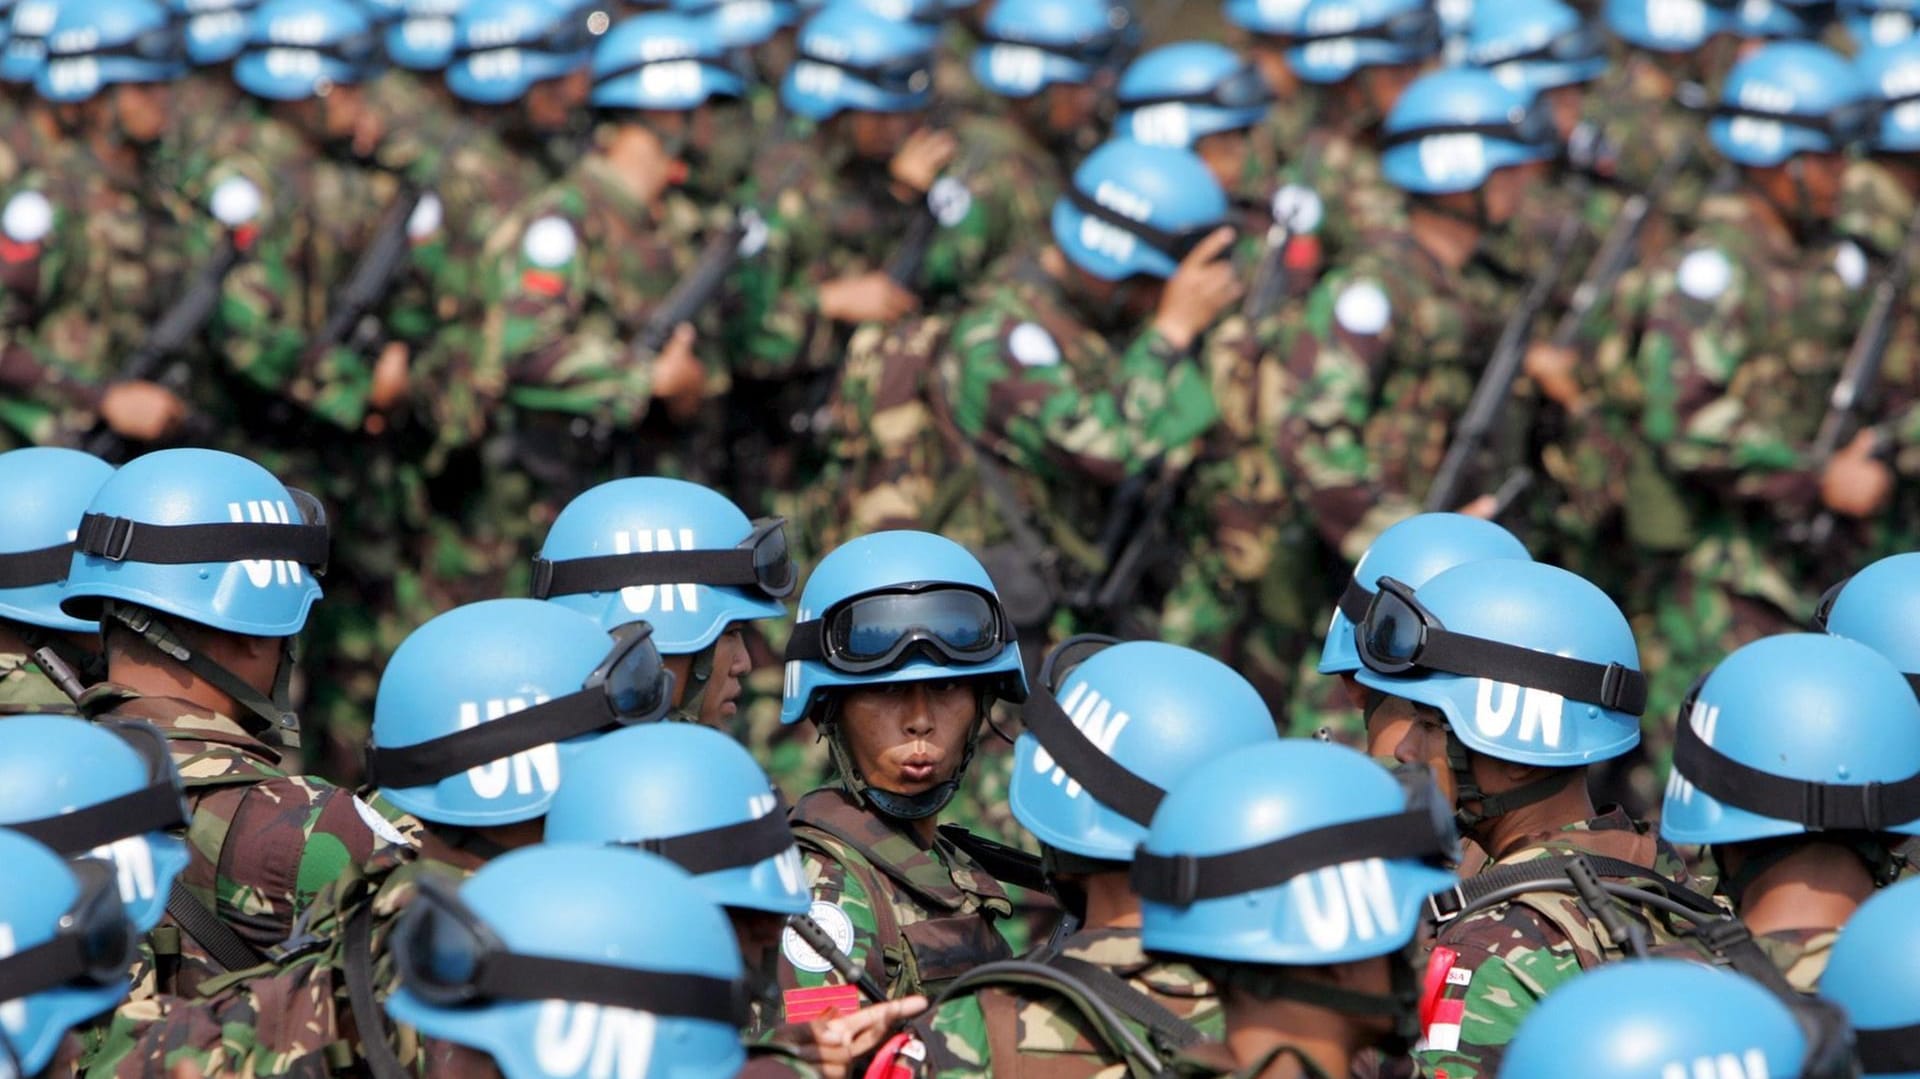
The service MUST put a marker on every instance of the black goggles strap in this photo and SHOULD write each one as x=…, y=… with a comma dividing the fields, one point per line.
x=1175, y=245
x=1836, y=807
x=510, y=976
x=23, y=569
x=1354, y=601
x=1183, y=879
x=1888, y=1050
x=1508, y=132
x=118, y=539
x=1609, y=685
x=154, y=808
x=808, y=642
x=730, y=846
x=610, y=573
x=60, y=961
x=431, y=761
x=1112, y=786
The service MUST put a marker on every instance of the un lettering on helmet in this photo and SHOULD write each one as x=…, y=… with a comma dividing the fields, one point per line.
x=673, y=81
x=1496, y=705
x=1448, y=158
x=265, y=572
x=1341, y=902
x=594, y=1040
x=13, y=1013
x=535, y=770
x=1677, y=20
x=1096, y=718
x=1749, y=1065
x=1705, y=720
x=818, y=80
x=1162, y=125
x=1016, y=67
x=495, y=64
x=132, y=861
x=643, y=598
x=75, y=77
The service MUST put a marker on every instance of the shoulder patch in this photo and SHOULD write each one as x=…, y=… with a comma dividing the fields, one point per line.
x=1033, y=346
x=550, y=243
x=378, y=824
x=949, y=200
x=753, y=233
x=839, y=928
x=1362, y=309
x=426, y=218
x=235, y=202
x=1299, y=208
x=28, y=218
x=1850, y=265
x=1704, y=274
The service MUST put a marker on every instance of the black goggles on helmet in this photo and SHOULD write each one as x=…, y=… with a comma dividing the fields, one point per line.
x=631, y=686
x=1096, y=51
x=1176, y=245
x=1423, y=830
x=907, y=76
x=93, y=944
x=1820, y=807
x=948, y=624
x=162, y=44
x=762, y=562
x=121, y=539
x=573, y=31
x=1529, y=127
x=1887, y=1050
x=1843, y=128
x=1419, y=29
x=449, y=957
x=730, y=846
x=1583, y=42
x=1399, y=636
x=1240, y=89
x=1050, y=721
x=158, y=806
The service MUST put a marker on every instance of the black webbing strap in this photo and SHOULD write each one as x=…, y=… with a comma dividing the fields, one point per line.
x=1889, y=1050
x=1183, y=879
x=730, y=846
x=1840, y=807
x=1546, y=872
x=1085, y=763
x=214, y=936
x=1169, y=1032
x=426, y=763
x=376, y=1047
x=1620, y=688
x=154, y=808
x=669, y=994
x=1354, y=601
x=23, y=569
x=1008, y=865
x=1093, y=1005
x=119, y=539
x=732, y=567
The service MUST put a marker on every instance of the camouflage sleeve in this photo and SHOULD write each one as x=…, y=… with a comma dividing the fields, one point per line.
x=49, y=398
x=778, y=290
x=278, y=1025
x=844, y=907
x=956, y=1042
x=1495, y=978
x=963, y=247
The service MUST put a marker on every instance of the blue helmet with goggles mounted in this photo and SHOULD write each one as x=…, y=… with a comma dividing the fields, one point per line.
x=1872, y=976
x=1453, y=129
x=742, y=24
x=298, y=49
x=1875, y=23
x=1413, y=552
x=69, y=950
x=482, y=709
x=421, y=39
x=1877, y=607
x=216, y=29
x=1791, y=98
x=501, y=48
x=1270, y=18
x=48, y=490
x=1669, y=26
x=853, y=59
x=695, y=797
x=1534, y=45
x=26, y=37
x=1180, y=93
x=1029, y=45
x=101, y=43
x=571, y=961
x=666, y=62
x=1892, y=72
x=1342, y=37
x=107, y=791
x=1136, y=210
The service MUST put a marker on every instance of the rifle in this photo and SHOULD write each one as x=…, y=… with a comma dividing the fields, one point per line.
x=380, y=262
x=1271, y=279
x=1496, y=381
x=1116, y=589
x=816, y=938
x=1616, y=251
x=1860, y=373
x=698, y=288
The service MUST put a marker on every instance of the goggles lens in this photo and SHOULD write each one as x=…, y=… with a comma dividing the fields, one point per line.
x=872, y=627
x=633, y=675
x=1395, y=627
x=440, y=946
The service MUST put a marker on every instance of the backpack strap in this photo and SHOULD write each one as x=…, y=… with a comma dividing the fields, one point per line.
x=375, y=1037
x=216, y=937
x=1551, y=874
x=1170, y=1033
x=1142, y=1059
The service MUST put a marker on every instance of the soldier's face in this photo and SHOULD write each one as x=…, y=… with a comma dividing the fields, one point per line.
x=142, y=110
x=909, y=738
x=445, y=1060
x=758, y=934
x=731, y=663
x=1423, y=738
x=1808, y=185
x=1508, y=189
x=1225, y=153
x=1269, y=56
x=877, y=136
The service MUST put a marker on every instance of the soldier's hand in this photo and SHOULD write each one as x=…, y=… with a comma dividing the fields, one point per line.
x=1856, y=483
x=185, y=1069
x=1552, y=370
x=867, y=297
x=390, y=377
x=1203, y=286
x=843, y=1039
x=919, y=163
x=142, y=411
x=679, y=380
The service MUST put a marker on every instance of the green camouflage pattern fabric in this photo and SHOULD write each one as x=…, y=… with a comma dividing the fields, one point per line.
x=1630, y=117
x=25, y=688
x=1050, y=1036
x=1506, y=958
x=1213, y=1060
x=276, y=1023
x=1800, y=954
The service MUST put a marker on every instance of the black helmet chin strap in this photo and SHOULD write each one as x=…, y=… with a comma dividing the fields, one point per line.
x=699, y=677
x=1467, y=789
x=270, y=718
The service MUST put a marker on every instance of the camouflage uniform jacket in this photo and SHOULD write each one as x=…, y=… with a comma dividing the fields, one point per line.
x=1214, y=1059
x=915, y=917
x=1009, y=1031
x=1799, y=954
x=1499, y=962
x=25, y=688
x=263, y=845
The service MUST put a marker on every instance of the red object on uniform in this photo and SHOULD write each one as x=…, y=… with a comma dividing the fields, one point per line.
x=897, y=1058
x=542, y=282
x=1302, y=253
x=1439, y=965
x=17, y=252
x=804, y=1005
x=244, y=236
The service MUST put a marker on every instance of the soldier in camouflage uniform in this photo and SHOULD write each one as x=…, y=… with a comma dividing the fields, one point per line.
x=1305, y=984
x=47, y=492
x=1533, y=674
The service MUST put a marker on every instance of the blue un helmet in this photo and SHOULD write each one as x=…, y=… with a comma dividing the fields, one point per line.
x=1453, y=129
x=1872, y=976
x=742, y=24
x=1104, y=745
x=1873, y=23
x=501, y=48
x=1180, y=93
x=421, y=39
x=1659, y=1018
x=298, y=49
x=1669, y=26
x=101, y=43
x=564, y=962
x=106, y=791
x=672, y=63
x=1781, y=20
x=1297, y=853
x=695, y=797
x=1892, y=75
x=1135, y=210
x=1791, y=98
x=48, y=490
x=1342, y=37
x=1269, y=18
x=1413, y=552
x=1534, y=45
x=1880, y=608
x=1029, y=45
x=853, y=59
x=216, y=29
x=27, y=27
x=483, y=708
x=1796, y=734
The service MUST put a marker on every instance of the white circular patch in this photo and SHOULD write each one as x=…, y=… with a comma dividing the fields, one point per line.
x=236, y=201
x=1362, y=309
x=28, y=217
x=949, y=200
x=1705, y=274
x=839, y=929
x=378, y=824
x=549, y=243
x=426, y=217
x=753, y=233
x=1299, y=208
x=1850, y=263
x=1033, y=346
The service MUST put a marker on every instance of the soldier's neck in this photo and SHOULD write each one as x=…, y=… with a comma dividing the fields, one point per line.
x=1818, y=886
x=1510, y=831
x=1257, y=1029
x=165, y=678
x=1768, y=218
x=11, y=643
x=1448, y=240
x=1111, y=902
